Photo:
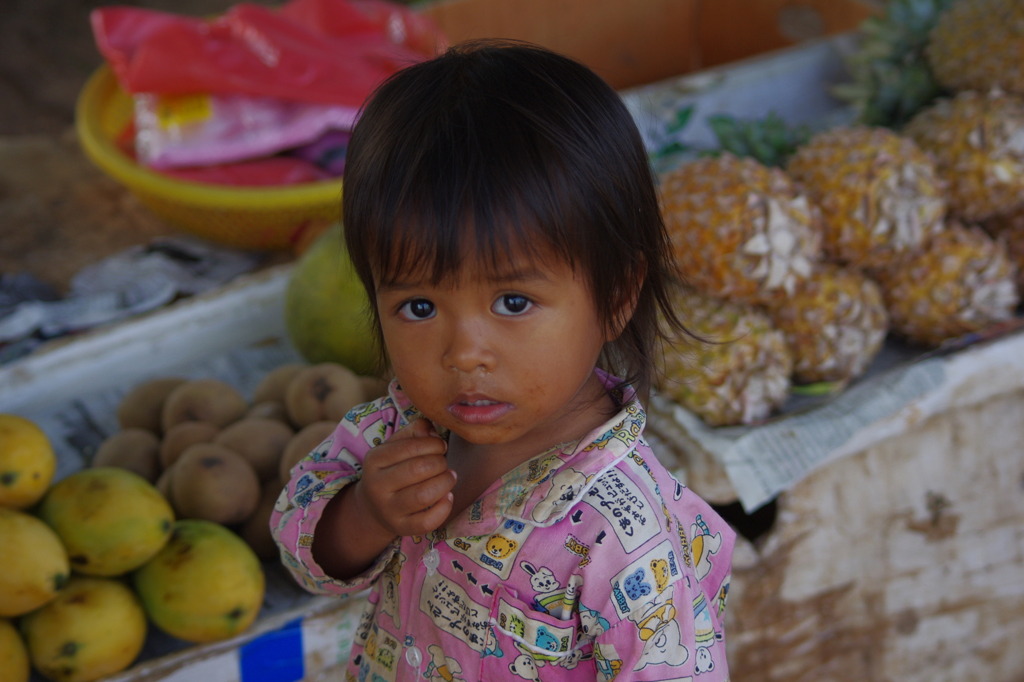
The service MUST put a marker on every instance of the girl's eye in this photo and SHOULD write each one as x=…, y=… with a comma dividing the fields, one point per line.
x=512, y=304
x=417, y=309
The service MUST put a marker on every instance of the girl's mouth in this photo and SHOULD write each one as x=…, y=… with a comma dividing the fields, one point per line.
x=480, y=411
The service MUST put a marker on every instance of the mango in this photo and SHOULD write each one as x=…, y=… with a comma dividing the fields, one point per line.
x=94, y=628
x=27, y=462
x=13, y=654
x=33, y=563
x=111, y=520
x=326, y=309
x=205, y=585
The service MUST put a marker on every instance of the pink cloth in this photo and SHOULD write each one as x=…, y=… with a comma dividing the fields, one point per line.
x=588, y=562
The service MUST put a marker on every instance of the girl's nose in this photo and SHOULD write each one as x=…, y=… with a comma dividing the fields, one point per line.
x=469, y=348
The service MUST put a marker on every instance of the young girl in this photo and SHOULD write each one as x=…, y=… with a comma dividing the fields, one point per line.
x=501, y=502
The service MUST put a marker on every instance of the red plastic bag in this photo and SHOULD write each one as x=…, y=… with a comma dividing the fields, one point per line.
x=327, y=51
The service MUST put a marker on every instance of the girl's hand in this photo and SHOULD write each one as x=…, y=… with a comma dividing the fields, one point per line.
x=405, y=489
x=406, y=485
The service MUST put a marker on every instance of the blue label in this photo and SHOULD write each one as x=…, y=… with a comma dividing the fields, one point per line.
x=275, y=656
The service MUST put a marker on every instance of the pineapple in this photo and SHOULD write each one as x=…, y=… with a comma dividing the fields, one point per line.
x=979, y=45
x=1009, y=229
x=891, y=79
x=1013, y=241
x=879, y=194
x=978, y=143
x=960, y=282
x=740, y=230
x=835, y=324
x=737, y=368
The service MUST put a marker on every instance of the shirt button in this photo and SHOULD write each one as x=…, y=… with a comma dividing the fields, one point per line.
x=413, y=656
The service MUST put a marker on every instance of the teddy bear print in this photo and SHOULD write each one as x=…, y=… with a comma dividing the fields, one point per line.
x=524, y=667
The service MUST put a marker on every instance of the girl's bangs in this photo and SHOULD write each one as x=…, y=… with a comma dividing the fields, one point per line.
x=426, y=238
x=486, y=179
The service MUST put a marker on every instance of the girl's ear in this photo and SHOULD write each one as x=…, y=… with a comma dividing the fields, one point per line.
x=626, y=304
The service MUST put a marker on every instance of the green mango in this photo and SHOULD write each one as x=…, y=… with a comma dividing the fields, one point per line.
x=326, y=309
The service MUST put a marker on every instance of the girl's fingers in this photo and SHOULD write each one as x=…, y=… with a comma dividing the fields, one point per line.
x=407, y=482
x=430, y=518
x=415, y=440
x=394, y=453
x=405, y=473
x=417, y=428
x=413, y=499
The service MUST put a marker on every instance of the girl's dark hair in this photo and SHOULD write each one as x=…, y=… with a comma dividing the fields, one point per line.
x=502, y=145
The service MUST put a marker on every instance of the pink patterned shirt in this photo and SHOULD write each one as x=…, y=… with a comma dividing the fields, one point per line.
x=587, y=562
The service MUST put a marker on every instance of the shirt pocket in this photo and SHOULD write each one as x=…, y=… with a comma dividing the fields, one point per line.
x=529, y=644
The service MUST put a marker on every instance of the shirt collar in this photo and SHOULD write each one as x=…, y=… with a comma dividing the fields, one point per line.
x=544, y=489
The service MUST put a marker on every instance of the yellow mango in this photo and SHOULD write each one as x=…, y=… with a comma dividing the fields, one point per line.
x=33, y=563
x=205, y=585
x=111, y=520
x=27, y=462
x=13, y=654
x=94, y=628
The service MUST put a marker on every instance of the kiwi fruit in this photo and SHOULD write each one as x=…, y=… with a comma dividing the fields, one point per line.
x=259, y=441
x=274, y=383
x=214, y=483
x=268, y=409
x=203, y=400
x=338, y=403
x=163, y=483
x=256, y=529
x=374, y=387
x=302, y=443
x=182, y=435
x=142, y=407
x=324, y=391
x=135, y=449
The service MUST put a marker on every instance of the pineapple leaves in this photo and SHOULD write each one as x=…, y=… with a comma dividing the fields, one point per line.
x=770, y=140
x=891, y=78
x=673, y=129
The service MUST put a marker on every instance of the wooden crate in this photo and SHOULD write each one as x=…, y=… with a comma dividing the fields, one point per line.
x=904, y=561
x=642, y=41
x=899, y=558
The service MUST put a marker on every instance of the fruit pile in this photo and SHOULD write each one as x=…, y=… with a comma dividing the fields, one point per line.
x=168, y=524
x=219, y=456
x=910, y=221
x=91, y=559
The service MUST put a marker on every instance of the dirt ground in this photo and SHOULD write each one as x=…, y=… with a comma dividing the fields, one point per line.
x=57, y=211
